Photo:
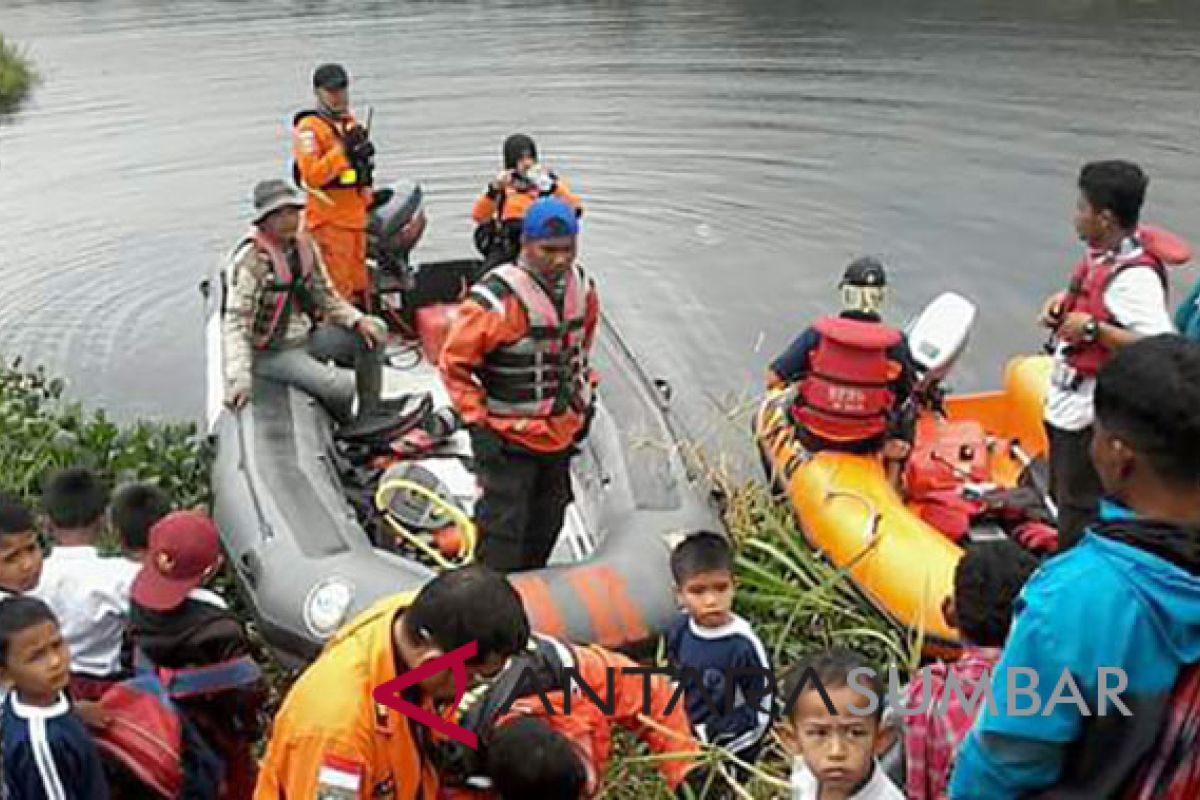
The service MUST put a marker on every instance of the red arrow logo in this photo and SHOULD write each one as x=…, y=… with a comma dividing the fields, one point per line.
x=388, y=694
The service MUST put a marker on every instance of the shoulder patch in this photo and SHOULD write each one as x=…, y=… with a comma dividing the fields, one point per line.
x=339, y=779
x=308, y=141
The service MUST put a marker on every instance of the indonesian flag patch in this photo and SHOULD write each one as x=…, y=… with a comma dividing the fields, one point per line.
x=339, y=779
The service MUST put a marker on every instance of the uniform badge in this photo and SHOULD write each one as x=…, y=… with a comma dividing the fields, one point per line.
x=339, y=779
x=308, y=142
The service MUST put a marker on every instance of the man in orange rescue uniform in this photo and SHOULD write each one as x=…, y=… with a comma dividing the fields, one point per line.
x=334, y=164
x=516, y=365
x=332, y=740
x=499, y=210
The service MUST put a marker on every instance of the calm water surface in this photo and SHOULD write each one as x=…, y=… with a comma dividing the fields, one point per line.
x=732, y=157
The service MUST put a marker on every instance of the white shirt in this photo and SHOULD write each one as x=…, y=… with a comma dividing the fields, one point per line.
x=805, y=785
x=90, y=597
x=1135, y=298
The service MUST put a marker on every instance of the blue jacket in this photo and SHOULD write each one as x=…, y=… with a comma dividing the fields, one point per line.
x=1104, y=603
x=1187, y=315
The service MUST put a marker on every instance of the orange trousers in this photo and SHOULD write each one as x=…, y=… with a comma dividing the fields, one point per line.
x=344, y=252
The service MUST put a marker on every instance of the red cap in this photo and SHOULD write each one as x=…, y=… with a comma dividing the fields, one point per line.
x=184, y=549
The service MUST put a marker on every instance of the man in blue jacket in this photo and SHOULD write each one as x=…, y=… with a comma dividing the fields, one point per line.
x=1126, y=598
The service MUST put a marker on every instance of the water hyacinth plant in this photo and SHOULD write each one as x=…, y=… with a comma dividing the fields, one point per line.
x=41, y=432
x=17, y=76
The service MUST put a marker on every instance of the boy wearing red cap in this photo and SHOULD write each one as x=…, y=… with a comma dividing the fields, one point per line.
x=197, y=646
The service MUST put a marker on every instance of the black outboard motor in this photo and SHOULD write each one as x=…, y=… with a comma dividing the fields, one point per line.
x=395, y=225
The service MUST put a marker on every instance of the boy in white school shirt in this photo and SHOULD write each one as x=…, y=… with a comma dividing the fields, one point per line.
x=88, y=594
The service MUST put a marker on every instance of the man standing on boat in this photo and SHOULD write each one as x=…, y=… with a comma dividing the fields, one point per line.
x=1117, y=295
x=278, y=290
x=334, y=164
x=516, y=364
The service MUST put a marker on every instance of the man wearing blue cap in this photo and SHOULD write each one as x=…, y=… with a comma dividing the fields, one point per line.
x=516, y=365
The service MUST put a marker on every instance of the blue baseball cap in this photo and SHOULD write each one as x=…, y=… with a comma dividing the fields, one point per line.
x=549, y=218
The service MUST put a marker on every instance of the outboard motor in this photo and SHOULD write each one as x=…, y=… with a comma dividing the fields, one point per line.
x=938, y=337
x=394, y=226
x=396, y=223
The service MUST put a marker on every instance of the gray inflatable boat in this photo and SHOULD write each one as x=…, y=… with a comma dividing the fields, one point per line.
x=306, y=560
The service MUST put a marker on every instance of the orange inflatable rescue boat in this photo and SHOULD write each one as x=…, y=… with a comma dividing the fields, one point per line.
x=901, y=552
x=977, y=471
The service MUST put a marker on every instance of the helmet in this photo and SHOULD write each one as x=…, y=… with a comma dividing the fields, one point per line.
x=865, y=271
x=864, y=286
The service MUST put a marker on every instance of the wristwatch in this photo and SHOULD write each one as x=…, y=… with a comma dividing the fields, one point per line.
x=1091, y=330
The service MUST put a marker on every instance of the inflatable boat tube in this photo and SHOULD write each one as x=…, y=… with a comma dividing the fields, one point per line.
x=305, y=564
x=851, y=514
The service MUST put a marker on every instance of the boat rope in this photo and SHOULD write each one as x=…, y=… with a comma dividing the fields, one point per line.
x=464, y=523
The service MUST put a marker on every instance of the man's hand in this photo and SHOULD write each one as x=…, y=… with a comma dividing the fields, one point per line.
x=373, y=330
x=92, y=714
x=896, y=450
x=357, y=144
x=237, y=398
x=1051, y=313
x=1072, y=326
x=502, y=180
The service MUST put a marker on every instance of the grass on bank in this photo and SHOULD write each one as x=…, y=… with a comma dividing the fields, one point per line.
x=795, y=601
x=17, y=75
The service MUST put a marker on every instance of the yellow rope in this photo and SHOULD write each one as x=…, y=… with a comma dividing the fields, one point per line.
x=464, y=523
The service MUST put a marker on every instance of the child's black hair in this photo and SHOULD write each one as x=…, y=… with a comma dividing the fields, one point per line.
x=135, y=509
x=832, y=669
x=15, y=515
x=19, y=614
x=1116, y=186
x=1162, y=425
x=987, y=580
x=701, y=552
x=75, y=498
x=470, y=604
x=527, y=758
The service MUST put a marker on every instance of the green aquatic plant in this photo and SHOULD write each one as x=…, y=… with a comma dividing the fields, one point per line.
x=17, y=75
x=41, y=431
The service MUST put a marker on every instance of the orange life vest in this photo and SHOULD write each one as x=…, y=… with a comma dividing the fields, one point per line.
x=846, y=395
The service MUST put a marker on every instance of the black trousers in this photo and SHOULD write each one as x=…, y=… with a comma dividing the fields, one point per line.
x=521, y=512
x=1074, y=484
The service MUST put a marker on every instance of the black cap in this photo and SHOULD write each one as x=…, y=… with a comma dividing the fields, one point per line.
x=865, y=271
x=330, y=76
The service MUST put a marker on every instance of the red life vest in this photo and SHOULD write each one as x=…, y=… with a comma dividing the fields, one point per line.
x=283, y=293
x=846, y=395
x=1089, y=281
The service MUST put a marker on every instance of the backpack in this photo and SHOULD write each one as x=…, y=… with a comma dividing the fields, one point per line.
x=155, y=743
x=1171, y=770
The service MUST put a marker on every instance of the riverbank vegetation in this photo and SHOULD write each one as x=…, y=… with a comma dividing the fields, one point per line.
x=796, y=601
x=17, y=75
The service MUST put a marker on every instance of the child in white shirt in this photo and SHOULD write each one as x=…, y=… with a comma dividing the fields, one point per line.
x=88, y=594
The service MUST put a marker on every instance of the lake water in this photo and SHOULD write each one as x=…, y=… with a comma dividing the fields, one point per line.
x=732, y=156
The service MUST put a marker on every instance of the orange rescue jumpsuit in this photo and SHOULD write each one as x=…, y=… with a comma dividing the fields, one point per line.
x=336, y=216
x=475, y=333
x=331, y=739
x=590, y=730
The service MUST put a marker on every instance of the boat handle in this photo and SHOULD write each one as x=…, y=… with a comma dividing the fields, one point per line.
x=871, y=528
